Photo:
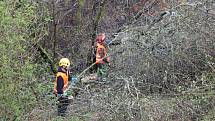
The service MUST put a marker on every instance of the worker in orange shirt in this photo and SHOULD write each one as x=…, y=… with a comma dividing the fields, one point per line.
x=101, y=59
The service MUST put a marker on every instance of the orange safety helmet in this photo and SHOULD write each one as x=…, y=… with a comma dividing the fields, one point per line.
x=100, y=38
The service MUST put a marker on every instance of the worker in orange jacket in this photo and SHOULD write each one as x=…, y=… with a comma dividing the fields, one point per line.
x=101, y=59
x=61, y=83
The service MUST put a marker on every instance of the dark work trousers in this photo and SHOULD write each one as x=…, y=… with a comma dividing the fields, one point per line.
x=63, y=103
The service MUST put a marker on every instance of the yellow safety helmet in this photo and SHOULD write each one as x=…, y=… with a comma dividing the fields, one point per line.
x=64, y=62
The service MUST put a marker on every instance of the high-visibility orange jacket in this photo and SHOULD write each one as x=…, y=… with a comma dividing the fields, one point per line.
x=101, y=52
x=65, y=77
